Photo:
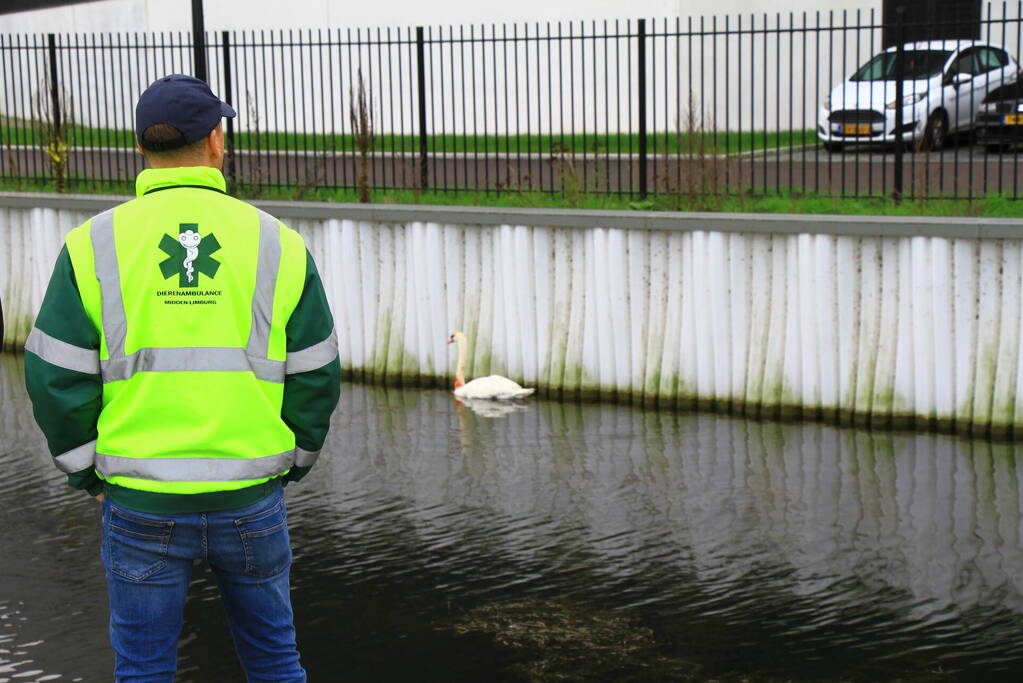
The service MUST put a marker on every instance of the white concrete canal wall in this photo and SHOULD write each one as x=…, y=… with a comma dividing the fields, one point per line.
x=911, y=319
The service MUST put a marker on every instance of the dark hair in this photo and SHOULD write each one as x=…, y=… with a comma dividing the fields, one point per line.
x=163, y=137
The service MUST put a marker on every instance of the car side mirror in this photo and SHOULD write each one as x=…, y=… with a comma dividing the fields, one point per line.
x=961, y=78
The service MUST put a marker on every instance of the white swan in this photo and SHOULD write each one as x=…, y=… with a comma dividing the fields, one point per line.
x=493, y=387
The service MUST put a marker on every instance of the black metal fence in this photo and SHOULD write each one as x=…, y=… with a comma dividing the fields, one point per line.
x=697, y=107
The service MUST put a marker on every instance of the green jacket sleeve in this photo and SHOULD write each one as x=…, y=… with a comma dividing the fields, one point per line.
x=312, y=384
x=63, y=379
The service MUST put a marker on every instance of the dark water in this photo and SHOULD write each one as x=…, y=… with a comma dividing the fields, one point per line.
x=435, y=544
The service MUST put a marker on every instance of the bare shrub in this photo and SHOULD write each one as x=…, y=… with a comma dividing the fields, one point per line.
x=51, y=118
x=362, y=134
x=700, y=165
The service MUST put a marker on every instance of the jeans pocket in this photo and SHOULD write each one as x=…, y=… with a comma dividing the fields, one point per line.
x=264, y=537
x=136, y=546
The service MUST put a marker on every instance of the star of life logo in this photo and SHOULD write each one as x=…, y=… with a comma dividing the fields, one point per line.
x=189, y=257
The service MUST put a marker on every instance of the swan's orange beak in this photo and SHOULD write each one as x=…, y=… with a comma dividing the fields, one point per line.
x=451, y=340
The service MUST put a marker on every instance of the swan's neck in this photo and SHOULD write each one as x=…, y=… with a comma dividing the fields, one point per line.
x=460, y=368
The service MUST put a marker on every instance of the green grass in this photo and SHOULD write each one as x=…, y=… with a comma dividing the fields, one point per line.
x=19, y=132
x=991, y=206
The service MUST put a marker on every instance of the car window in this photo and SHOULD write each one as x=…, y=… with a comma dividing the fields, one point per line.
x=919, y=64
x=991, y=59
x=966, y=63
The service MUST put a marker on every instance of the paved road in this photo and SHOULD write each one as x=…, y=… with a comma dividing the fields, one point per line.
x=962, y=170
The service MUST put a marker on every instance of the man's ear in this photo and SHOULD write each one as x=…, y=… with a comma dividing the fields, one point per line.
x=138, y=146
x=215, y=141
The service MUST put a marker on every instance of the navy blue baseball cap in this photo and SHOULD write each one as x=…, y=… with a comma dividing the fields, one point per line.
x=184, y=102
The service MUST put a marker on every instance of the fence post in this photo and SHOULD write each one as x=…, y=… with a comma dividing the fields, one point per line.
x=51, y=40
x=641, y=85
x=199, y=40
x=232, y=183
x=421, y=80
x=900, y=73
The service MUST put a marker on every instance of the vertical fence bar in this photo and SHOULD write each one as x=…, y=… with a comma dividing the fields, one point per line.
x=17, y=93
x=507, y=106
x=273, y=96
x=465, y=113
x=678, y=98
x=802, y=134
x=607, y=112
x=123, y=107
x=752, y=101
x=870, y=164
x=1005, y=26
x=84, y=140
x=845, y=57
x=421, y=94
x=199, y=40
x=539, y=117
x=817, y=99
x=289, y=110
x=596, y=128
x=51, y=45
x=1015, y=153
x=571, y=88
x=739, y=98
x=764, y=92
x=900, y=72
x=493, y=153
x=856, y=153
x=103, y=107
x=777, y=104
x=641, y=92
x=225, y=41
x=583, y=42
x=446, y=152
x=618, y=101
x=792, y=116
x=390, y=103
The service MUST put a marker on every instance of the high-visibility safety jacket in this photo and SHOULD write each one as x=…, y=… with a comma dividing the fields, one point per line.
x=184, y=357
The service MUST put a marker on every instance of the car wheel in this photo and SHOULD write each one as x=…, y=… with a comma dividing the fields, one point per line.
x=994, y=149
x=936, y=133
x=833, y=147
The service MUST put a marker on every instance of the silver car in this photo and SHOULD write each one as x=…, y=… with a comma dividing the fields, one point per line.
x=944, y=83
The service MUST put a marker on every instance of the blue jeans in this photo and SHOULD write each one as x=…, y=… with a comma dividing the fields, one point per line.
x=148, y=560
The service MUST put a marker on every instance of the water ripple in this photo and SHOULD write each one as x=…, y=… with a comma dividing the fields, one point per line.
x=802, y=551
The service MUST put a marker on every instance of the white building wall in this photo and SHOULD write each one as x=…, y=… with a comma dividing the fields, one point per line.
x=235, y=15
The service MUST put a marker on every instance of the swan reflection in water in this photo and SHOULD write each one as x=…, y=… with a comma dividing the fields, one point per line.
x=490, y=408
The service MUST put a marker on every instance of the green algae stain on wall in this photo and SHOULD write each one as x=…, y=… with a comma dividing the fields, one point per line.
x=984, y=384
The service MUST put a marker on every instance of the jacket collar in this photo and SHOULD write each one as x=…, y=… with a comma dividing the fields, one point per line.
x=155, y=179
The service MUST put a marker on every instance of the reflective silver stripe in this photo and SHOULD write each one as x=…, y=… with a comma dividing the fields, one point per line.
x=191, y=359
x=267, y=266
x=305, y=458
x=62, y=354
x=115, y=324
x=194, y=469
x=267, y=370
x=313, y=357
x=77, y=459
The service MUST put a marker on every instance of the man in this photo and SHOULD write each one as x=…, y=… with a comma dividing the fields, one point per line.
x=183, y=368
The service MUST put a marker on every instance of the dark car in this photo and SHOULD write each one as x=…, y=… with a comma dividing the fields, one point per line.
x=1000, y=117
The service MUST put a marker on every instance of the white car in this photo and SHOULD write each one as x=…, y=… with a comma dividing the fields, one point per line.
x=944, y=83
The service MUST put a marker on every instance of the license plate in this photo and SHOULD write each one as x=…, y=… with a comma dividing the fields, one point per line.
x=856, y=129
x=1013, y=119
